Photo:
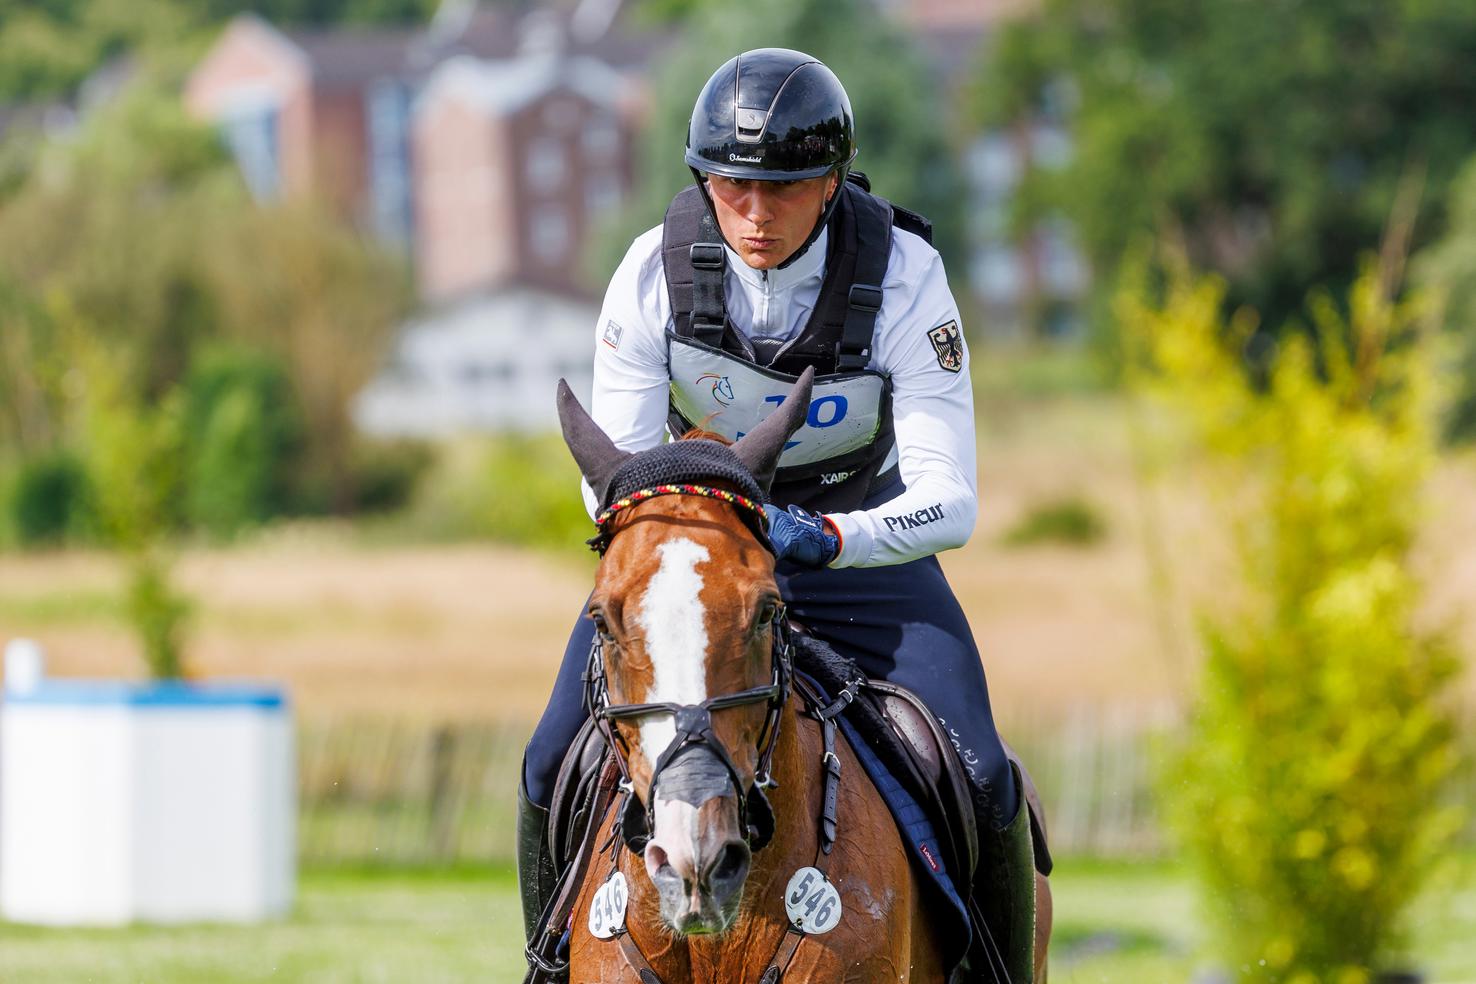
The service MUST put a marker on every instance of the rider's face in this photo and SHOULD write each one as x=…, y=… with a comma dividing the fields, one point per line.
x=766, y=221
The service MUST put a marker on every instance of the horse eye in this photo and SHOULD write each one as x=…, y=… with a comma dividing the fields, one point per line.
x=602, y=627
x=767, y=614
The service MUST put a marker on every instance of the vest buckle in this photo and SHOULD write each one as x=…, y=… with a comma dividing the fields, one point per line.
x=864, y=297
x=707, y=256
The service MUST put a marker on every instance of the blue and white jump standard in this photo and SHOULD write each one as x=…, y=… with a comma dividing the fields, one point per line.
x=154, y=802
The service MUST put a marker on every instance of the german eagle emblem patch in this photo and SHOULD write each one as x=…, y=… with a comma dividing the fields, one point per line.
x=949, y=345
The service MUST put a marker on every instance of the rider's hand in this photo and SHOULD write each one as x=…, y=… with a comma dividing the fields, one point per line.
x=805, y=538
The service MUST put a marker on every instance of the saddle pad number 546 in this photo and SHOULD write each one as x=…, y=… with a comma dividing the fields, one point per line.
x=607, y=908
x=812, y=902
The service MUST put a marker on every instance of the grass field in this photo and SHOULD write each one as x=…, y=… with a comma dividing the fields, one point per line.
x=1127, y=922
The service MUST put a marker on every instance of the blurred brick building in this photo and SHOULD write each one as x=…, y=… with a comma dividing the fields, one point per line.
x=483, y=146
x=1030, y=286
x=515, y=162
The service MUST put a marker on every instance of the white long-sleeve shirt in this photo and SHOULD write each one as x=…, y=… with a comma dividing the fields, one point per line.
x=932, y=407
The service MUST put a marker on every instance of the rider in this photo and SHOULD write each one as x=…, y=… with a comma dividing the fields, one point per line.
x=773, y=261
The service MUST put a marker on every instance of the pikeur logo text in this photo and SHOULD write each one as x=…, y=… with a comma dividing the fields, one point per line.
x=913, y=520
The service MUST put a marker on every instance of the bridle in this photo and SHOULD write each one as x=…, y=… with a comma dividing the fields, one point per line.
x=751, y=512
x=693, y=721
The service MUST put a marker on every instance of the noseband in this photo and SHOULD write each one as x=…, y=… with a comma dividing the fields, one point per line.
x=693, y=721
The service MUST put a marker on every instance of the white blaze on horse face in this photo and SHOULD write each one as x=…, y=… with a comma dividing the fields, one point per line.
x=674, y=624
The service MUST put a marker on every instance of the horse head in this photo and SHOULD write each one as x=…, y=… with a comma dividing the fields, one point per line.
x=688, y=676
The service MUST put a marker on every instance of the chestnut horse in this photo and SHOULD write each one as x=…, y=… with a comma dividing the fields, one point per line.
x=691, y=684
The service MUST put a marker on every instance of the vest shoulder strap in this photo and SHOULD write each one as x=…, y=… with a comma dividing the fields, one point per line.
x=694, y=263
x=851, y=294
x=693, y=259
x=913, y=222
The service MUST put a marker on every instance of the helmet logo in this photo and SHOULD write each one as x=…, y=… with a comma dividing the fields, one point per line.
x=746, y=160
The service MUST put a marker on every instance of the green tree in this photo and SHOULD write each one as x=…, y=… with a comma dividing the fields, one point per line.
x=1268, y=139
x=142, y=226
x=900, y=128
x=1310, y=793
x=320, y=13
x=1449, y=269
x=48, y=48
x=114, y=222
x=243, y=439
x=133, y=455
x=292, y=281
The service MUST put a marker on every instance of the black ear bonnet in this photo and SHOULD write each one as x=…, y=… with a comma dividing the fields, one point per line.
x=696, y=461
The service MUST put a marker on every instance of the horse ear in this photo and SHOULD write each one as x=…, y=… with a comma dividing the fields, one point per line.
x=760, y=448
x=594, y=452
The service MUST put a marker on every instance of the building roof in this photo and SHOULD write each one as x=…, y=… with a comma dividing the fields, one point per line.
x=352, y=56
x=504, y=87
x=594, y=28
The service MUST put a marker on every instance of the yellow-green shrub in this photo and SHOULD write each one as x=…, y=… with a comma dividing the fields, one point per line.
x=132, y=454
x=1309, y=792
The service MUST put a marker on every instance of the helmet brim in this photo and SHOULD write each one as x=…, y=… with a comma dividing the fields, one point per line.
x=745, y=171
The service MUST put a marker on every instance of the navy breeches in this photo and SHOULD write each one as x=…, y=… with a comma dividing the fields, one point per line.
x=899, y=623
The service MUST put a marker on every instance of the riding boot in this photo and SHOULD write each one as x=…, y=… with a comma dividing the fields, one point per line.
x=1003, y=895
x=537, y=879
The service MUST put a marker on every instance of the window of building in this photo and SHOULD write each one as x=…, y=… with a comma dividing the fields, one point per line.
x=560, y=115
x=387, y=111
x=250, y=131
x=1062, y=269
x=549, y=237
x=997, y=274
x=546, y=166
x=992, y=164
x=601, y=140
x=603, y=193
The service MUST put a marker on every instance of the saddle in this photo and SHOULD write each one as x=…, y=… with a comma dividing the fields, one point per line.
x=894, y=722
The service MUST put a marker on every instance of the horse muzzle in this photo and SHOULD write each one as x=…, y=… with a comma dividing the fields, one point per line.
x=698, y=855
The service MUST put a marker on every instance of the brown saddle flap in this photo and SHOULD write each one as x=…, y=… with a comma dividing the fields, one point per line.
x=944, y=785
x=579, y=774
x=937, y=763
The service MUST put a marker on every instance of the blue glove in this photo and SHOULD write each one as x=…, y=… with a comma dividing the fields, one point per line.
x=802, y=537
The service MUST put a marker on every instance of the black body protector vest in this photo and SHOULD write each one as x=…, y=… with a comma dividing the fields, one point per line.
x=719, y=381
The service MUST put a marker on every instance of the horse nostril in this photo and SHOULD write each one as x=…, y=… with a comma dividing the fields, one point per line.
x=730, y=866
x=658, y=865
x=656, y=859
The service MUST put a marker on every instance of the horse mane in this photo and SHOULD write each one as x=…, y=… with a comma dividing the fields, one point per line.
x=700, y=433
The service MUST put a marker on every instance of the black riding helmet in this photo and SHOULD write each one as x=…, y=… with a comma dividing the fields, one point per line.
x=772, y=114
